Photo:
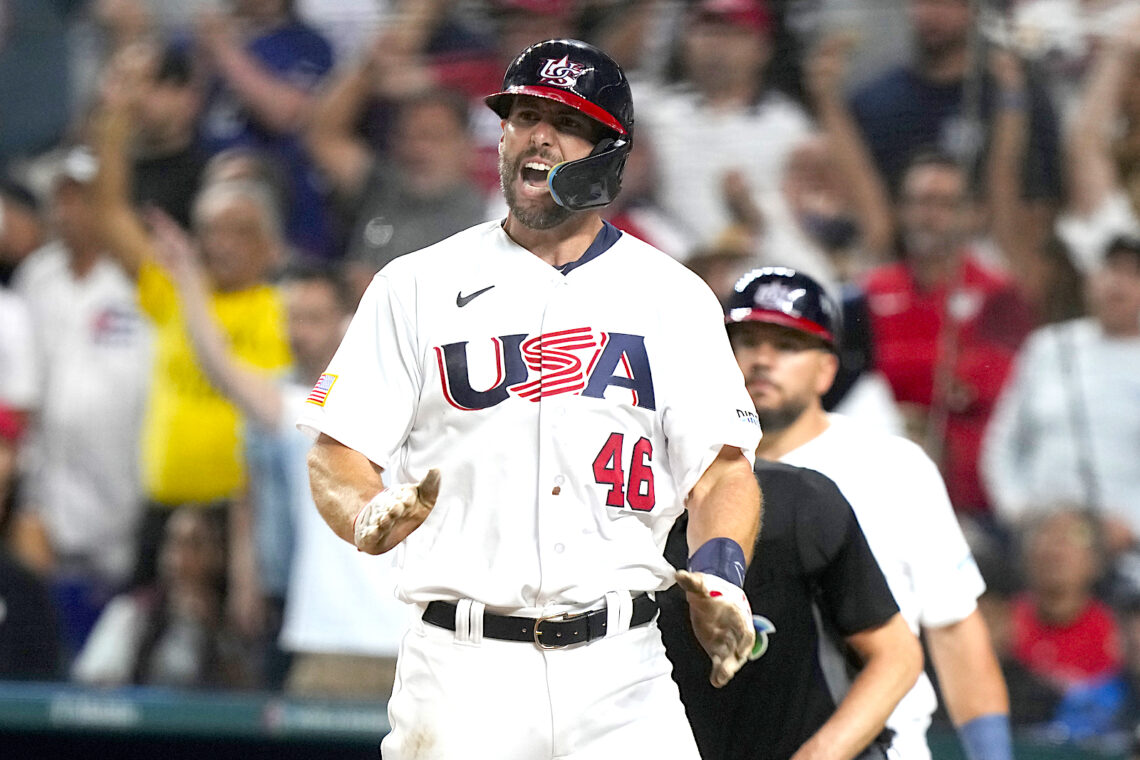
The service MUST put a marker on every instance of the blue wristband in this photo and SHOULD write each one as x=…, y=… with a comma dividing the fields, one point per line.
x=987, y=738
x=721, y=557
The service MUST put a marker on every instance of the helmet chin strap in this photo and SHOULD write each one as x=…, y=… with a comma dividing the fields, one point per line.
x=593, y=181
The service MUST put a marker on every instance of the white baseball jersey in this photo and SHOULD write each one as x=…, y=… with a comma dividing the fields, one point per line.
x=899, y=497
x=570, y=413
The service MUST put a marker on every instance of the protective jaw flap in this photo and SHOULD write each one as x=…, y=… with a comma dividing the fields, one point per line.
x=593, y=181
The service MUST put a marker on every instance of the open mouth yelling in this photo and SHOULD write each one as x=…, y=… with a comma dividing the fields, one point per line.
x=534, y=174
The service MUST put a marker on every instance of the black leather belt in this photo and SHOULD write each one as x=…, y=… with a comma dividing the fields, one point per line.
x=550, y=632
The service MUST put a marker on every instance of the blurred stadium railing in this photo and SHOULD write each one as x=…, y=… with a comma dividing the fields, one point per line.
x=39, y=720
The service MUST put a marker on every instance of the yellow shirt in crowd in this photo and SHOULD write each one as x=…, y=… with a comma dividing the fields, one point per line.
x=191, y=438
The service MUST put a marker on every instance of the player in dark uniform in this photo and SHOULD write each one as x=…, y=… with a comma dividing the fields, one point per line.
x=839, y=656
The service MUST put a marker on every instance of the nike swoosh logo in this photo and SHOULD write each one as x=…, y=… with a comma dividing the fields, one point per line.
x=462, y=300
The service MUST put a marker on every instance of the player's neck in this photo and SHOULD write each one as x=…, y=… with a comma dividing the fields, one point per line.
x=558, y=245
x=807, y=427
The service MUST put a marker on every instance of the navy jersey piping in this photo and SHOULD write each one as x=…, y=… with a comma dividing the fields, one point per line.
x=604, y=240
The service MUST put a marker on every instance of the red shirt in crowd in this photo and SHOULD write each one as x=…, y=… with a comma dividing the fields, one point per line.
x=1087, y=648
x=985, y=321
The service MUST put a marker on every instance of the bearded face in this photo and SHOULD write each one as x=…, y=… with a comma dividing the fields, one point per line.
x=540, y=213
x=538, y=134
x=932, y=211
x=785, y=371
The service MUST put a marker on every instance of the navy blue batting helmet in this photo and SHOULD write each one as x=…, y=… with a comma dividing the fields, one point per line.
x=788, y=298
x=581, y=76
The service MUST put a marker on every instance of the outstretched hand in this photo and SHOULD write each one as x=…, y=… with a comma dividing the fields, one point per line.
x=174, y=251
x=826, y=66
x=722, y=622
x=394, y=513
x=125, y=77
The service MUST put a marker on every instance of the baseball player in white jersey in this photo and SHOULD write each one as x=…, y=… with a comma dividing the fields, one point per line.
x=551, y=393
x=784, y=330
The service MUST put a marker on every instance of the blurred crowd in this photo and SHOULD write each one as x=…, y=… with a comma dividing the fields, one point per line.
x=194, y=195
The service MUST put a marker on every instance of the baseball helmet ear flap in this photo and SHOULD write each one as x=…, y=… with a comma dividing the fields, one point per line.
x=592, y=181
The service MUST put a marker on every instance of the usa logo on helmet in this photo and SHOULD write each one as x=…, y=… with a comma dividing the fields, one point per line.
x=561, y=72
x=778, y=297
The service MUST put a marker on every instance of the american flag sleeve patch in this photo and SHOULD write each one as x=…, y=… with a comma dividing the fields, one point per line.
x=320, y=393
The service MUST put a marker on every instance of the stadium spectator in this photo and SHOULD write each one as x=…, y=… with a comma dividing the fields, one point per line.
x=1103, y=151
x=172, y=633
x=266, y=65
x=166, y=101
x=29, y=637
x=250, y=165
x=1064, y=635
x=91, y=343
x=343, y=638
x=822, y=238
x=639, y=32
x=1067, y=425
x=1060, y=36
x=937, y=101
x=1006, y=230
x=98, y=35
x=838, y=203
x=417, y=192
x=1007, y=242
x=720, y=134
x=856, y=188
x=1032, y=700
x=945, y=327
x=348, y=25
x=434, y=44
x=191, y=434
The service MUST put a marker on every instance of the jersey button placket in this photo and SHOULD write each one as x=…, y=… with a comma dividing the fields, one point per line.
x=554, y=522
x=558, y=414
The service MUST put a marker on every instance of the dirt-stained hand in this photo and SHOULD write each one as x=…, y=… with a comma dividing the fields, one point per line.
x=394, y=513
x=722, y=622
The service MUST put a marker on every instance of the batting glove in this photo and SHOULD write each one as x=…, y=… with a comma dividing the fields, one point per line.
x=722, y=622
x=394, y=513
